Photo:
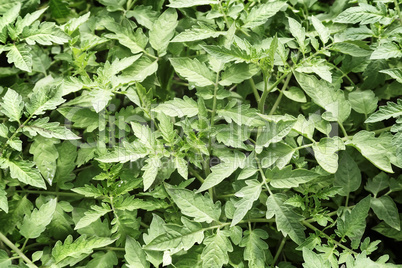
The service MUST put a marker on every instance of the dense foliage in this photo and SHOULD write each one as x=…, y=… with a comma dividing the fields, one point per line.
x=200, y=133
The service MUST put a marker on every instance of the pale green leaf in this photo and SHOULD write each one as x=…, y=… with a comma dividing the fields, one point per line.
x=5, y=260
x=386, y=51
x=3, y=200
x=395, y=73
x=21, y=57
x=135, y=255
x=241, y=115
x=312, y=260
x=215, y=253
x=190, y=3
x=385, y=112
x=298, y=32
x=150, y=171
x=352, y=48
x=12, y=105
x=295, y=94
x=177, y=237
x=163, y=30
x=288, y=178
x=195, y=205
x=348, y=175
x=377, y=184
x=256, y=249
x=35, y=223
x=323, y=32
x=363, y=14
x=237, y=73
x=234, y=53
x=92, y=215
x=248, y=194
x=364, y=102
x=287, y=221
x=329, y=97
x=318, y=67
x=196, y=33
x=144, y=15
x=45, y=156
x=47, y=129
x=178, y=107
x=259, y=14
x=385, y=209
x=71, y=252
x=272, y=133
x=194, y=71
x=325, y=153
x=376, y=149
x=353, y=223
x=24, y=172
x=103, y=260
x=46, y=33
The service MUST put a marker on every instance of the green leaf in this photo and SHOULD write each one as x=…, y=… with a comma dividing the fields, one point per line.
x=376, y=149
x=128, y=152
x=23, y=171
x=242, y=115
x=363, y=14
x=325, y=153
x=58, y=8
x=386, y=51
x=82, y=118
x=364, y=102
x=388, y=231
x=12, y=105
x=273, y=132
x=215, y=253
x=71, y=252
x=150, y=171
x=288, y=178
x=44, y=98
x=187, y=3
x=385, y=209
x=9, y=16
x=177, y=237
x=21, y=57
x=287, y=221
x=354, y=222
x=103, y=260
x=312, y=260
x=298, y=31
x=45, y=34
x=35, y=223
x=178, y=107
x=194, y=71
x=45, y=129
x=377, y=184
x=385, y=112
x=135, y=255
x=5, y=260
x=92, y=215
x=196, y=33
x=295, y=94
x=3, y=200
x=329, y=97
x=395, y=73
x=248, y=194
x=45, y=157
x=323, y=32
x=352, y=48
x=259, y=14
x=144, y=15
x=237, y=73
x=348, y=175
x=318, y=67
x=226, y=55
x=256, y=249
x=163, y=30
x=195, y=205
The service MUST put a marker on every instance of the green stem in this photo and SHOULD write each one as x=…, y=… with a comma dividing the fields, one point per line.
x=312, y=227
x=278, y=100
x=278, y=252
x=195, y=173
x=345, y=134
x=50, y=193
x=266, y=91
x=379, y=131
x=16, y=250
x=15, y=133
x=398, y=10
x=255, y=91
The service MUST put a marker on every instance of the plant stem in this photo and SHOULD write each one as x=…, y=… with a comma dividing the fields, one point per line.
x=195, y=173
x=16, y=250
x=278, y=252
x=398, y=10
x=50, y=193
x=312, y=227
x=278, y=100
x=266, y=91
x=255, y=91
x=345, y=134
